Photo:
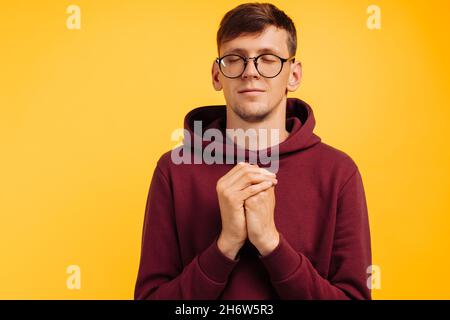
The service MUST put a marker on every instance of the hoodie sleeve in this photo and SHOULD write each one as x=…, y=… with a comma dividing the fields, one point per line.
x=161, y=272
x=292, y=273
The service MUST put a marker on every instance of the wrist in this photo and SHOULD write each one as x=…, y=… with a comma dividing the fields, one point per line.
x=269, y=244
x=228, y=248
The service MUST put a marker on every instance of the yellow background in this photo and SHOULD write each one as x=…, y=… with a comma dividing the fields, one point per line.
x=85, y=115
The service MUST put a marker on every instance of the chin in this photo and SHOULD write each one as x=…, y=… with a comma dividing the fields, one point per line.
x=252, y=111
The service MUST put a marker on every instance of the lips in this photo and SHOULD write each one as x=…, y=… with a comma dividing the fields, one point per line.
x=251, y=90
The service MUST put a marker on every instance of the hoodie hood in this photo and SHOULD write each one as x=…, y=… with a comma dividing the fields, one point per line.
x=300, y=123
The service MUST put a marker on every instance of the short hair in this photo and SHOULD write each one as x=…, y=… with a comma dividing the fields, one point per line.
x=250, y=18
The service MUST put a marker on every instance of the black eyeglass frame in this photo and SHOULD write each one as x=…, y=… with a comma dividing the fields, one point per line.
x=283, y=61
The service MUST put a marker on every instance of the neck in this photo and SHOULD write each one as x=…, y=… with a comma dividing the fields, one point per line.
x=274, y=126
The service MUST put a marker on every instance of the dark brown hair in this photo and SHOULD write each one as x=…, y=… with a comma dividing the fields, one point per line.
x=252, y=18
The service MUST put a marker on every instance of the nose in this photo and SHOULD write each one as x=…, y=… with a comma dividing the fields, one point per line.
x=250, y=69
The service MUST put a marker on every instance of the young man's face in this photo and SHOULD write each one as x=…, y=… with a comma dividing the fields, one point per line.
x=255, y=106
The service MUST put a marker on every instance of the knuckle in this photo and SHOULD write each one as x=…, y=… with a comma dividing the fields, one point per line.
x=248, y=173
x=252, y=189
x=226, y=193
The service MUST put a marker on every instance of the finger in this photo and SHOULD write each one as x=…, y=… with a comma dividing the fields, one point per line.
x=248, y=175
x=233, y=170
x=252, y=178
x=264, y=170
x=254, y=189
x=230, y=176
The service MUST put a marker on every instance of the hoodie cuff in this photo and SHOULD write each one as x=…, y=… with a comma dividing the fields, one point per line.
x=214, y=264
x=282, y=262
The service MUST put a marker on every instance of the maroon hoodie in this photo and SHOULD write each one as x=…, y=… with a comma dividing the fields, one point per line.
x=320, y=214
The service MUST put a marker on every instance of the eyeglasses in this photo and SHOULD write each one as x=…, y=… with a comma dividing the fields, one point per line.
x=268, y=65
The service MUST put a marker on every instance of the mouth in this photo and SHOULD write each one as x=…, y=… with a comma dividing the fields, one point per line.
x=251, y=91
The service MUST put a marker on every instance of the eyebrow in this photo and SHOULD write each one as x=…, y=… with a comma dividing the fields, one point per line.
x=243, y=51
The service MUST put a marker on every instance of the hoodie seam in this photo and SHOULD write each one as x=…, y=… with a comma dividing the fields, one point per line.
x=205, y=274
x=346, y=183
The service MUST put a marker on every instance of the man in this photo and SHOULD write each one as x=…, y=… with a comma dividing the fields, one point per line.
x=234, y=229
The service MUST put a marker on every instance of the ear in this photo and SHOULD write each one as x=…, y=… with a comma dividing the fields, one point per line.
x=215, y=75
x=295, y=76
